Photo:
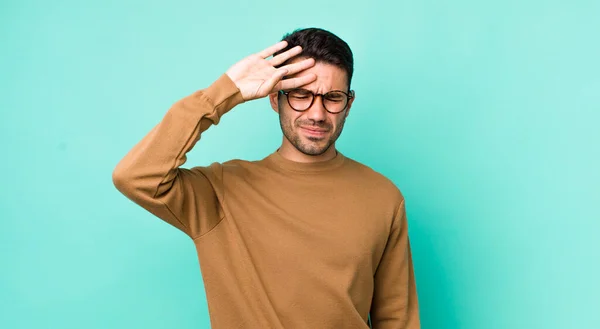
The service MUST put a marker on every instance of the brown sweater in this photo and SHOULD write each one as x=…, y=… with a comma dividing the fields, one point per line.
x=281, y=244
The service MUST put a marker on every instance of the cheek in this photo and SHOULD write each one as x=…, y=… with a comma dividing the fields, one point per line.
x=296, y=117
x=289, y=116
x=337, y=121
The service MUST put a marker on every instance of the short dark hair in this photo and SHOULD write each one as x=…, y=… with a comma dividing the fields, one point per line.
x=323, y=46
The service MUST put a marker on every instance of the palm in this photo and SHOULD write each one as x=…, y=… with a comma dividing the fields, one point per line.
x=256, y=77
x=253, y=74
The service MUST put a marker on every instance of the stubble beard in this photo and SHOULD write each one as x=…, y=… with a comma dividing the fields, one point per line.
x=312, y=147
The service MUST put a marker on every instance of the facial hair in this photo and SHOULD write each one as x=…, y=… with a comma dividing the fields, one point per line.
x=313, y=146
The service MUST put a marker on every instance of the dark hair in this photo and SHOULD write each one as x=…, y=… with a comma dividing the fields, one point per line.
x=323, y=46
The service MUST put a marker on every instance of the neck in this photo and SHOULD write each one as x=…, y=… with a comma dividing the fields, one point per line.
x=290, y=152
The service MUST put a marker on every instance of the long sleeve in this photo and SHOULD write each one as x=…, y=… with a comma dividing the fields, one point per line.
x=395, y=304
x=150, y=173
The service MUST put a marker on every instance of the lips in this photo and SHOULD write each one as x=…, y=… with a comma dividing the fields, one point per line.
x=312, y=132
x=315, y=130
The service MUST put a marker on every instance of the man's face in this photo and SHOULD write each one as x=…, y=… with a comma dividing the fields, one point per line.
x=313, y=131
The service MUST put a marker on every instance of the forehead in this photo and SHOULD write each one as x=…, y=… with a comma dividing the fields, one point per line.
x=329, y=77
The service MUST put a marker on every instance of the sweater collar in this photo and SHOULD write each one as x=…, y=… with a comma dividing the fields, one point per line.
x=278, y=161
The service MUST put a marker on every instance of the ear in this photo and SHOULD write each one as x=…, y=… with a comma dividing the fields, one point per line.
x=350, y=101
x=274, y=100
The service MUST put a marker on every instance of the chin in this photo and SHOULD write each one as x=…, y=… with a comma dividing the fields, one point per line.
x=314, y=150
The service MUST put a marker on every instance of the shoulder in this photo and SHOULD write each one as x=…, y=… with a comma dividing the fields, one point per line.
x=236, y=166
x=229, y=168
x=374, y=180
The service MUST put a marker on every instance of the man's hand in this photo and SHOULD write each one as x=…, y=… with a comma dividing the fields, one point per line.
x=256, y=77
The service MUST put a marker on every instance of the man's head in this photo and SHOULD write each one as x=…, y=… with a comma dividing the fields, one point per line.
x=312, y=128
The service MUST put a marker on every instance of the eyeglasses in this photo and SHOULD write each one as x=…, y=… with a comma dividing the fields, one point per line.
x=334, y=101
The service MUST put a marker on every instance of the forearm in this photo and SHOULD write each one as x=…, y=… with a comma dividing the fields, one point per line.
x=396, y=305
x=395, y=301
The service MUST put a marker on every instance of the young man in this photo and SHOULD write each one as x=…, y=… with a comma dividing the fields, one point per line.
x=304, y=238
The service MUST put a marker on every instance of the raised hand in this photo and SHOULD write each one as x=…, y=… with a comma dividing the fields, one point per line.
x=256, y=77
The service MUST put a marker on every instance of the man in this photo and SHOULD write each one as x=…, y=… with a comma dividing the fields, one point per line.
x=304, y=238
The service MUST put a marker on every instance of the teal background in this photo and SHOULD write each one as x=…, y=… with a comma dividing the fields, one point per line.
x=484, y=113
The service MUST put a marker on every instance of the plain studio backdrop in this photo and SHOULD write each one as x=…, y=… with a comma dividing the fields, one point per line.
x=484, y=113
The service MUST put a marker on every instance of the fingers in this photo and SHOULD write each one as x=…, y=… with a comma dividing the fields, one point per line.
x=272, y=82
x=296, y=82
x=272, y=49
x=299, y=66
x=281, y=58
x=294, y=68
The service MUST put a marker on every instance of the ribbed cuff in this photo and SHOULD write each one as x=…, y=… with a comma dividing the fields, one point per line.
x=223, y=94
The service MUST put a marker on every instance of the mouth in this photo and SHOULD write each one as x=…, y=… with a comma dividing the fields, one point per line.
x=316, y=132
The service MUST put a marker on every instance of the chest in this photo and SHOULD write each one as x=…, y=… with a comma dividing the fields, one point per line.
x=336, y=227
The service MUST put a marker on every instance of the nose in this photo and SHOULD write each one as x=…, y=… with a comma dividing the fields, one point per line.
x=317, y=111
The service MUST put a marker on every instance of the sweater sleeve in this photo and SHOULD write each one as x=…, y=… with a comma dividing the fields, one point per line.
x=150, y=173
x=395, y=304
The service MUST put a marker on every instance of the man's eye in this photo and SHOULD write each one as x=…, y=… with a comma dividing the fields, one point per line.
x=335, y=98
x=300, y=94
